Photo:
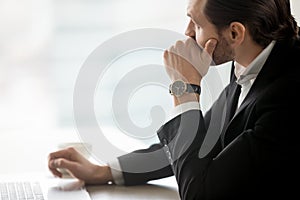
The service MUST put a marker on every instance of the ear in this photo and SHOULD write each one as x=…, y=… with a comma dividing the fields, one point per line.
x=237, y=33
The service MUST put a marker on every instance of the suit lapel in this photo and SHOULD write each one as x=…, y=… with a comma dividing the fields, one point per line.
x=230, y=106
x=270, y=72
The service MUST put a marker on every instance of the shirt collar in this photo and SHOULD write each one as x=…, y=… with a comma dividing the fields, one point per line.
x=245, y=74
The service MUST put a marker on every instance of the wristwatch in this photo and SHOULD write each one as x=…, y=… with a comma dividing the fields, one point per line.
x=179, y=88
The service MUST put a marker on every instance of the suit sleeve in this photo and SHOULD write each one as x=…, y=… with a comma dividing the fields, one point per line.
x=132, y=172
x=257, y=160
x=141, y=166
x=199, y=178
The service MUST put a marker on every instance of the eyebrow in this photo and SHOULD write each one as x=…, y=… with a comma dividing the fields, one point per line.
x=190, y=16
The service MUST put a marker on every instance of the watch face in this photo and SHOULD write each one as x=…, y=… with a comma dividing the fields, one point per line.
x=178, y=88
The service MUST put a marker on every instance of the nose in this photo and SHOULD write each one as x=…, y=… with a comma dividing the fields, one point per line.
x=190, y=30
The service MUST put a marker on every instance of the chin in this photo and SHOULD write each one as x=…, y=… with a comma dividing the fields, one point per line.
x=224, y=58
x=220, y=62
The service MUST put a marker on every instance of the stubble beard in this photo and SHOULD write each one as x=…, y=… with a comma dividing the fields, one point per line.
x=223, y=52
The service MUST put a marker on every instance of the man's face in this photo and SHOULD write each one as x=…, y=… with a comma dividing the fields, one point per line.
x=202, y=30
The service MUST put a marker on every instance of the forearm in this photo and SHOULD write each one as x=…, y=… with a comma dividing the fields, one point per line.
x=186, y=98
x=183, y=137
x=141, y=166
x=212, y=176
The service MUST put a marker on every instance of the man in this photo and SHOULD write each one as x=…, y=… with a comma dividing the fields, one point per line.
x=246, y=144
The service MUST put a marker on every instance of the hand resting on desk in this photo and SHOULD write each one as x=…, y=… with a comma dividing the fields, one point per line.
x=78, y=166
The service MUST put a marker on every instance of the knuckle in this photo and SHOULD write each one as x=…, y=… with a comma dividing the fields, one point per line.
x=171, y=49
x=166, y=53
x=179, y=42
x=60, y=163
x=71, y=150
x=50, y=164
x=51, y=155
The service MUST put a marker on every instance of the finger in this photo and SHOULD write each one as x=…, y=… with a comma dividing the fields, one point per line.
x=54, y=170
x=207, y=54
x=68, y=153
x=64, y=163
x=59, y=154
x=56, y=173
x=168, y=59
x=210, y=46
x=166, y=55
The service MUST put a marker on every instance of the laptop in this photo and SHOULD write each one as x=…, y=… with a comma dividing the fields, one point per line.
x=41, y=187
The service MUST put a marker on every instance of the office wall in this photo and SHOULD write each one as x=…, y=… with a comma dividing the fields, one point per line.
x=296, y=9
x=43, y=44
x=42, y=48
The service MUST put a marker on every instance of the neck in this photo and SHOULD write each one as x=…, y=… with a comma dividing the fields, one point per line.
x=247, y=52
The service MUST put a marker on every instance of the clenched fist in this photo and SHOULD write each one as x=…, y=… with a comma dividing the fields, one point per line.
x=188, y=62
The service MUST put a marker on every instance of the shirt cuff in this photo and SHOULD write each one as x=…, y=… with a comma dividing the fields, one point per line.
x=182, y=108
x=116, y=172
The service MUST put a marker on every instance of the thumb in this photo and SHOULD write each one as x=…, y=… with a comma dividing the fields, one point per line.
x=64, y=163
x=210, y=46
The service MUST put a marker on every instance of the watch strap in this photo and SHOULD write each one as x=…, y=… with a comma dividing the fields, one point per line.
x=192, y=88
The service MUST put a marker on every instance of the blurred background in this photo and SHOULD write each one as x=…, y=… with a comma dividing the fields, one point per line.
x=43, y=44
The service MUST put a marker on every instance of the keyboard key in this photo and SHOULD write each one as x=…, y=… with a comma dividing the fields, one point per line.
x=21, y=191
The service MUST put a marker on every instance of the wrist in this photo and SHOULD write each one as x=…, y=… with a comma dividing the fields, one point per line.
x=107, y=175
x=186, y=98
x=184, y=92
x=102, y=175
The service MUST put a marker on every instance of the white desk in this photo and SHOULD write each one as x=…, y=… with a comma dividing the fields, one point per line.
x=164, y=189
x=29, y=155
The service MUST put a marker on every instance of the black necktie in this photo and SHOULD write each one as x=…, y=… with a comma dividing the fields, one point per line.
x=231, y=106
x=233, y=101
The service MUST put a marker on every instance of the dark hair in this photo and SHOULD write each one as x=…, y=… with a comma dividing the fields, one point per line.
x=266, y=20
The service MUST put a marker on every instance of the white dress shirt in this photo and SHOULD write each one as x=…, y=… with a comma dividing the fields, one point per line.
x=245, y=77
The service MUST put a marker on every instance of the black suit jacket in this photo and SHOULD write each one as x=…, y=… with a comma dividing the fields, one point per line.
x=256, y=151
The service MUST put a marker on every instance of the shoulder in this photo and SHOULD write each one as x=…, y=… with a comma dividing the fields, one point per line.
x=283, y=91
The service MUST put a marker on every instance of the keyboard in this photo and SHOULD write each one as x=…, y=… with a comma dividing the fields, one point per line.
x=21, y=191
